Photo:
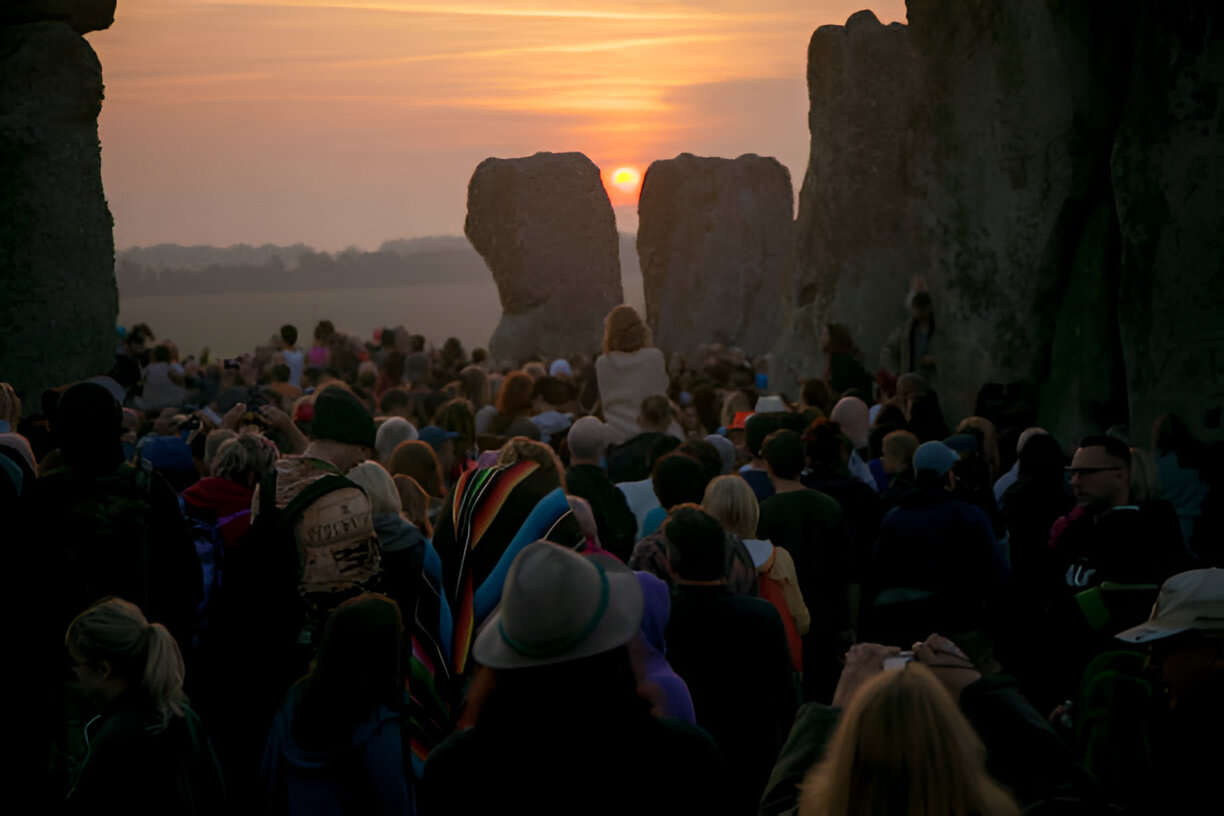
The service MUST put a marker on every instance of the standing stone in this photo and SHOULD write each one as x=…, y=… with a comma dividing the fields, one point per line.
x=58, y=301
x=717, y=250
x=546, y=230
x=946, y=148
x=857, y=238
x=1168, y=177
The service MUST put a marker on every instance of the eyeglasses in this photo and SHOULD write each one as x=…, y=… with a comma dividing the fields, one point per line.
x=1088, y=471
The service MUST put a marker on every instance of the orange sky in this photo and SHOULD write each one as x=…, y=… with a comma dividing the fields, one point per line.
x=347, y=123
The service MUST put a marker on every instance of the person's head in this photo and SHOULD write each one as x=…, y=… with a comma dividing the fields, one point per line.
x=836, y=339
x=418, y=460
x=696, y=544
x=1041, y=455
x=588, y=441
x=624, y=330
x=757, y=428
x=987, y=437
x=852, y=414
x=550, y=393
x=514, y=396
x=817, y=394
x=898, y=452
x=933, y=463
x=1100, y=472
x=731, y=501
x=903, y=746
x=455, y=417
x=280, y=373
x=213, y=443
x=244, y=459
x=355, y=670
x=474, y=383
x=289, y=335
x=443, y=443
x=391, y=433
x=654, y=414
x=520, y=448
x=324, y=331
x=706, y=455
x=558, y=607
x=910, y=386
x=825, y=446
x=114, y=649
x=378, y=486
x=86, y=425
x=1185, y=632
x=678, y=479
x=783, y=455
x=343, y=430
x=10, y=405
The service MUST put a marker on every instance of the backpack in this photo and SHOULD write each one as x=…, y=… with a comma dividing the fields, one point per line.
x=331, y=527
x=1111, y=723
x=111, y=555
x=210, y=549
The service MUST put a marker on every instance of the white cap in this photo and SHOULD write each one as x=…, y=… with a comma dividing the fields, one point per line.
x=1189, y=601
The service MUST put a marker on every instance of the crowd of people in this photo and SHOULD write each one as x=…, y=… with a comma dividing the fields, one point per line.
x=385, y=577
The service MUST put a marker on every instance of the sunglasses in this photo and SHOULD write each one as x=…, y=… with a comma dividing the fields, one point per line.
x=1086, y=471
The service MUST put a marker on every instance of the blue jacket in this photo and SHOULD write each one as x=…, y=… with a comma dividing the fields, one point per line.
x=938, y=544
x=366, y=776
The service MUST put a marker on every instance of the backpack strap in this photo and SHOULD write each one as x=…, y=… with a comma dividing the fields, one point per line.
x=312, y=491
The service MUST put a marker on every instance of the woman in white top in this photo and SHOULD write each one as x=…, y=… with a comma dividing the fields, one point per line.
x=628, y=371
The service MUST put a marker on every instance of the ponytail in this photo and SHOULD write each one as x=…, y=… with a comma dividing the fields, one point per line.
x=164, y=672
x=143, y=654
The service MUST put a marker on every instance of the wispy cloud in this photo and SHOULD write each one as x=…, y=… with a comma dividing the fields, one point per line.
x=646, y=14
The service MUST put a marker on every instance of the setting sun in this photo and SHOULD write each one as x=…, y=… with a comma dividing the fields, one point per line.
x=626, y=178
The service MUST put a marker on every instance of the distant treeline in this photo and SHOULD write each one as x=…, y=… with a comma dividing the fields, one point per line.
x=169, y=269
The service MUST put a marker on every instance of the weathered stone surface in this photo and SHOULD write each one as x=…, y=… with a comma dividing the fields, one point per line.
x=855, y=228
x=545, y=227
x=950, y=148
x=1168, y=179
x=82, y=15
x=717, y=250
x=58, y=301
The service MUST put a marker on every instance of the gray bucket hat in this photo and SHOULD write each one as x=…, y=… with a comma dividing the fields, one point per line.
x=559, y=606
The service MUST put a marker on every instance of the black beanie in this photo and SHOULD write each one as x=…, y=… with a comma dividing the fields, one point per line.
x=340, y=417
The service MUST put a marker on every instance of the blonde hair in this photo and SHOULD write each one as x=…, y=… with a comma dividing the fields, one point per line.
x=143, y=654
x=624, y=330
x=903, y=747
x=520, y=448
x=242, y=456
x=730, y=500
x=378, y=485
x=10, y=405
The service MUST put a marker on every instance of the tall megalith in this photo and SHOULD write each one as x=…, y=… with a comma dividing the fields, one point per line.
x=717, y=250
x=546, y=230
x=58, y=300
x=1168, y=181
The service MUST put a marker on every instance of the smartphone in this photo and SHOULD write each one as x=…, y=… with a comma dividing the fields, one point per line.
x=897, y=661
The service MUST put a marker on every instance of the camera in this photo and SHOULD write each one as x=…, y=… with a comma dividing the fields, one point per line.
x=898, y=661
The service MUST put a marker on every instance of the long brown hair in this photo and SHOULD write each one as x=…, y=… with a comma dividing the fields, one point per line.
x=624, y=330
x=903, y=747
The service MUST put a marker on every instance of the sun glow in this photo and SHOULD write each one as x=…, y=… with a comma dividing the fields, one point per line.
x=626, y=178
